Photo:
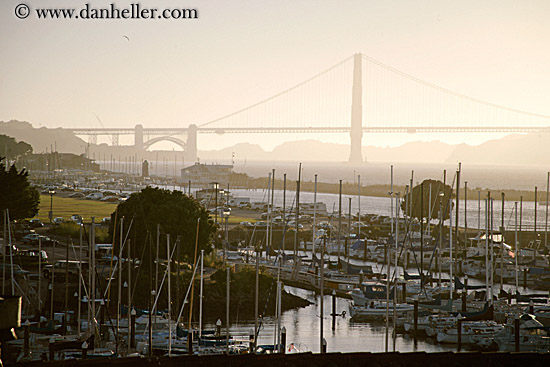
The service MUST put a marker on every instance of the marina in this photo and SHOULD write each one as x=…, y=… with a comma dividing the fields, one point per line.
x=274, y=183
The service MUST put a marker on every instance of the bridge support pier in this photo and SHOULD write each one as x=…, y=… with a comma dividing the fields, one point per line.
x=138, y=137
x=92, y=139
x=356, y=132
x=191, y=144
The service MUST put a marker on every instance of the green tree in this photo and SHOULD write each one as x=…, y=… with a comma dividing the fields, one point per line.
x=12, y=148
x=421, y=203
x=17, y=195
x=176, y=213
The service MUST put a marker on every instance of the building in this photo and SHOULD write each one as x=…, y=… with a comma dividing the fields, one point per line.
x=145, y=169
x=204, y=175
x=58, y=161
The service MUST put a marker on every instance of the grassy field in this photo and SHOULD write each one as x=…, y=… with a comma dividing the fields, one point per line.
x=65, y=207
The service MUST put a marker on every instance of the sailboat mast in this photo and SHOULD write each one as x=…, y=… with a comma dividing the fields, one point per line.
x=11, y=255
x=502, y=244
x=546, y=219
x=535, y=220
x=200, y=295
x=193, y=283
x=421, y=229
x=457, y=216
x=313, y=229
x=349, y=228
x=227, y=311
x=157, y=265
x=492, y=252
x=339, y=220
x=359, y=207
x=516, y=244
x=487, y=247
x=391, y=199
x=322, y=286
x=283, y=241
x=297, y=209
x=451, y=247
x=119, y=298
x=92, y=270
x=280, y=293
x=284, y=212
x=4, y=253
x=465, y=214
x=79, y=278
x=267, y=237
x=169, y=293
x=395, y=277
x=429, y=219
x=478, y=211
x=271, y=211
x=257, y=292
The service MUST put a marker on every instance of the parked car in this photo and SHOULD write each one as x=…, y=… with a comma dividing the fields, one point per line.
x=76, y=218
x=32, y=239
x=58, y=220
x=94, y=196
x=77, y=195
x=60, y=267
x=30, y=258
x=292, y=224
x=36, y=223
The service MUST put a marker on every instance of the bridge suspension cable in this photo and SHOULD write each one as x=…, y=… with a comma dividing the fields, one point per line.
x=287, y=91
x=448, y=91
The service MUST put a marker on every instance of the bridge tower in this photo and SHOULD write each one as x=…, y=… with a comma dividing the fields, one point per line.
x=191, y=144
x=138, y=137
x=356, y=132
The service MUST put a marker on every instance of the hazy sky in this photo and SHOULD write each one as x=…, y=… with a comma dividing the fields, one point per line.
x=62, y=73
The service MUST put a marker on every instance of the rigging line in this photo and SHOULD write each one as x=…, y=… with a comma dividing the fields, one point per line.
x=160, y=290
x=188, y=290
x=448, y=91
x=169, y=256
x=509, y=217
x=285, y=221
x=278, y=94
x=408, y=231
x=118, y=261
x=277, y=258
x=139, y=267
x=82, y=277
x=99, y=285
x=442, y=220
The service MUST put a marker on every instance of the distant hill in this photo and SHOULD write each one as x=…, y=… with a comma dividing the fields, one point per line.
x=43, y=138
x=314, y=150
x=516, y=149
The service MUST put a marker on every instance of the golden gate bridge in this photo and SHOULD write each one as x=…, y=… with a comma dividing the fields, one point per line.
x=358, y=95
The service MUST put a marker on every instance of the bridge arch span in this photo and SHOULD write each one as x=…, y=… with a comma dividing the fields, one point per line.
x=177, y=141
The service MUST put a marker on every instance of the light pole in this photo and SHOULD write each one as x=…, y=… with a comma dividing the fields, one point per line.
x=50, y=214
x=226, y=212
x=216, y=188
